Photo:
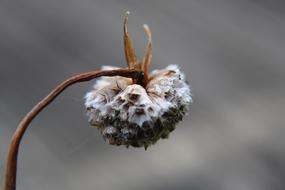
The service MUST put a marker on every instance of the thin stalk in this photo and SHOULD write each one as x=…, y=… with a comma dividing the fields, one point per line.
x=11, y=164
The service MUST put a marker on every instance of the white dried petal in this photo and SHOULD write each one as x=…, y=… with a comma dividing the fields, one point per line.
x=130, y=114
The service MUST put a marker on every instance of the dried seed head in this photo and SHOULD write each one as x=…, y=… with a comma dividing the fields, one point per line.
x=136, y=115
x=129, y=114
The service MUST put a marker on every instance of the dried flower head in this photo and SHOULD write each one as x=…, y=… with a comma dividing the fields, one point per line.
x=138, y=113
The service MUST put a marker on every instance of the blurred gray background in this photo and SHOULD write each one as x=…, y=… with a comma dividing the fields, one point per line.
x=233, y=53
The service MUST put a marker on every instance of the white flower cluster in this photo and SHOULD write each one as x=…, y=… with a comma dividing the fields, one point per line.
x=129, y=114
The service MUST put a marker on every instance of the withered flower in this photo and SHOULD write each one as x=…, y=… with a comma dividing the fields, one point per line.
x=138, y=113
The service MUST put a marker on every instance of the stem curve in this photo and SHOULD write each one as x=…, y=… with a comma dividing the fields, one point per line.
x=11, y=164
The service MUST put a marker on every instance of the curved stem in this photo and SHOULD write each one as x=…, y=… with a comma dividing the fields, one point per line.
x=11, y=164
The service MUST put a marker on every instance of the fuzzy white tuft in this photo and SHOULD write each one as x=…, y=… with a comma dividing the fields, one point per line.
x=129, y=114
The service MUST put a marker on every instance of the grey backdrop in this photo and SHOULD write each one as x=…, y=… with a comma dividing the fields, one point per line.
x=233, y=53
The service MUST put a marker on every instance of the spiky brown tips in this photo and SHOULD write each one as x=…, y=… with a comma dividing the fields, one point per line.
x=131, y=55
x=148, y=55
x=128, y=46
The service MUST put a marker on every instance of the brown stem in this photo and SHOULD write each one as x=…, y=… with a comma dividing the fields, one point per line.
x=11, y=164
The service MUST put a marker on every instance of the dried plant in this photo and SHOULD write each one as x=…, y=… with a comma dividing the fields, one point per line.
x=130, y=106
x=138, y=115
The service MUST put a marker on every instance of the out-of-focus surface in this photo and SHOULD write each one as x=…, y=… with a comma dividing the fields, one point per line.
x=233, y=53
